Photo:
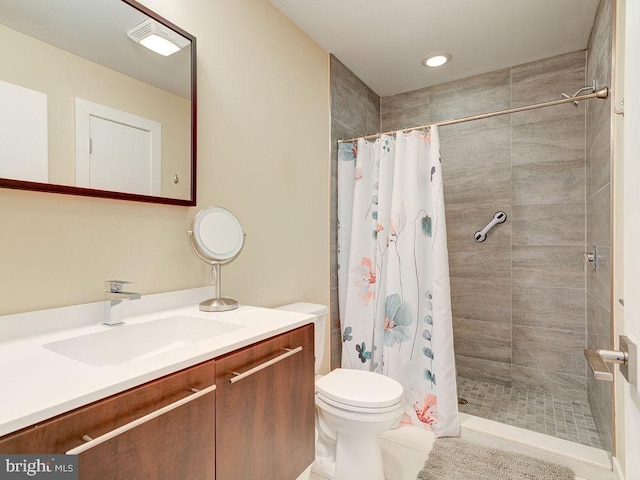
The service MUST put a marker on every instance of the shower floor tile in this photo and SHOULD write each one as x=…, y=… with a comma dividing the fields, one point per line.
x=536, y=411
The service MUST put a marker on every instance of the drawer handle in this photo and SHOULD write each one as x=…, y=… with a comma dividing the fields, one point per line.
x=239, y=376
x=135, y=423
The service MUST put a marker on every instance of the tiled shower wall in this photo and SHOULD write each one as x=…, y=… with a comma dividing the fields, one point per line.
x=598, y=194
x=519, y=297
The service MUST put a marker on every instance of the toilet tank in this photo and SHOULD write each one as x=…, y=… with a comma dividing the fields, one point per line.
x=320, y=312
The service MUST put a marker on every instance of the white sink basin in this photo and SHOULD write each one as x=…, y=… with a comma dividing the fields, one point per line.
x=122, y=344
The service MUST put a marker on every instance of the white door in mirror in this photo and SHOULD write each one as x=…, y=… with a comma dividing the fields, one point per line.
x=23, y=134
x=117, y=151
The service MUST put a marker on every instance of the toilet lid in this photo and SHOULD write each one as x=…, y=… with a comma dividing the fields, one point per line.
x=359, y=388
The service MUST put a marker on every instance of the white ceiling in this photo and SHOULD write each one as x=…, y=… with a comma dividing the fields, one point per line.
x=383, y=41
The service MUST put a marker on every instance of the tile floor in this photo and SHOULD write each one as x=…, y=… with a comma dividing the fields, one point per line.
x=535, y=411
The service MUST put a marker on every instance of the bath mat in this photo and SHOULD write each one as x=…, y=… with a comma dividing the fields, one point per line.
x=457, y=459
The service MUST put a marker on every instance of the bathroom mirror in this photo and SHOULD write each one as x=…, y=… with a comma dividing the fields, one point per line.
x=88, y=110
x=216, y=238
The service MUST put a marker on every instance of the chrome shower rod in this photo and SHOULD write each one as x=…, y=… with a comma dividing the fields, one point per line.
x=600, y=93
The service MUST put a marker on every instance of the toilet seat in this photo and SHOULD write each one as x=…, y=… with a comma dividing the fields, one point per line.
x=359, y=391
x=351, y=408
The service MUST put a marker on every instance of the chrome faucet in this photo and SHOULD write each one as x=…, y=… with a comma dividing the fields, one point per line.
x=115, y=298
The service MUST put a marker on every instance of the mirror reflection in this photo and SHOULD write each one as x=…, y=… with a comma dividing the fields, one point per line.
x=87, y=104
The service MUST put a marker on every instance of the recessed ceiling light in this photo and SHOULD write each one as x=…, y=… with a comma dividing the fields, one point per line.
x=436, y=59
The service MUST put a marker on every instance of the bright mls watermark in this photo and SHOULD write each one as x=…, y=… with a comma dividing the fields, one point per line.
x=49, y=467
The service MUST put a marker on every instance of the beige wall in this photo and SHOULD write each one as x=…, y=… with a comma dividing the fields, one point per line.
x=263, y=152
x=63, y=76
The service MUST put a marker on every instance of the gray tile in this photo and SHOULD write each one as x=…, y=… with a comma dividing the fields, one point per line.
x=599, y=281
x=410, y=109
x=463, y=220
x=334, y=314
x=352, y=102
x=334, y=266
x=485, y=340
x=340, y=131
x=558, y=140
x=399, y=119
x=600, y=398
x=477, y=147
x=598, y=117
x=480, y=263
x=477, y=186
x=544, y=307
x=403, y=101
x=471, y=96
x=599, y=218
x=479, y=369
x=564, y=414
x=549, y=224
x=599, y=161
x=600, y=45
x=480, y=301
x=598, y=324
x=548, y=183
x=336, y=348
x=546, y=80
x=548, y=266
x=548, y=159
x=549, y=350
x=599, y=66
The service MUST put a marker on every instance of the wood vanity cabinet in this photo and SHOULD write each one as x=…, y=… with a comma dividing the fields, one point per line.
x=258, y=423
x=175, y=444
x=265, y=411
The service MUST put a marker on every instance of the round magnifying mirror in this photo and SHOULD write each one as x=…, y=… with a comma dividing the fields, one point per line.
x=217, y=234
x=216, y=238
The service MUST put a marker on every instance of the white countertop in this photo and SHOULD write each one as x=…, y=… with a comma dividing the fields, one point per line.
x=38, y=383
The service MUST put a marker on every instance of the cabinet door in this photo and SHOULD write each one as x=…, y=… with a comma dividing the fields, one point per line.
x=265, y=415
x=160, y=430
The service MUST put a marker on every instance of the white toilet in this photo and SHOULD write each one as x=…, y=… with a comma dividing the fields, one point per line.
x=352, y=408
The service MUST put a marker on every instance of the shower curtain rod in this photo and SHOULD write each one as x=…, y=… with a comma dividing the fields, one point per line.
x=601, y=93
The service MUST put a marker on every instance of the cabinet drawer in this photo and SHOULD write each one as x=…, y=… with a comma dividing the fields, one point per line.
x=65, y=432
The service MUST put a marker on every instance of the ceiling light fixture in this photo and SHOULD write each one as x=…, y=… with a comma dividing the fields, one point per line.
x=436, y=59
x=157, y=37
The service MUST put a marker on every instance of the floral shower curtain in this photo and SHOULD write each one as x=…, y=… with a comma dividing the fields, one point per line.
x=393, y=272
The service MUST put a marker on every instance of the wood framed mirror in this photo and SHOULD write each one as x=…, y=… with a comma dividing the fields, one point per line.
x=88, y=110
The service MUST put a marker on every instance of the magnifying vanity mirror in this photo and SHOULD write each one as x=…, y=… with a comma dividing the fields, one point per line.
x=87, y=109
x=216, y=238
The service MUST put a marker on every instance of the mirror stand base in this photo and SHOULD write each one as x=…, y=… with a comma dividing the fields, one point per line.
x=218, y=305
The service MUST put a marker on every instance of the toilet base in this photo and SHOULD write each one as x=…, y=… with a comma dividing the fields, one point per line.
x=348, y=446
x=356, y=457
x=365, y=458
